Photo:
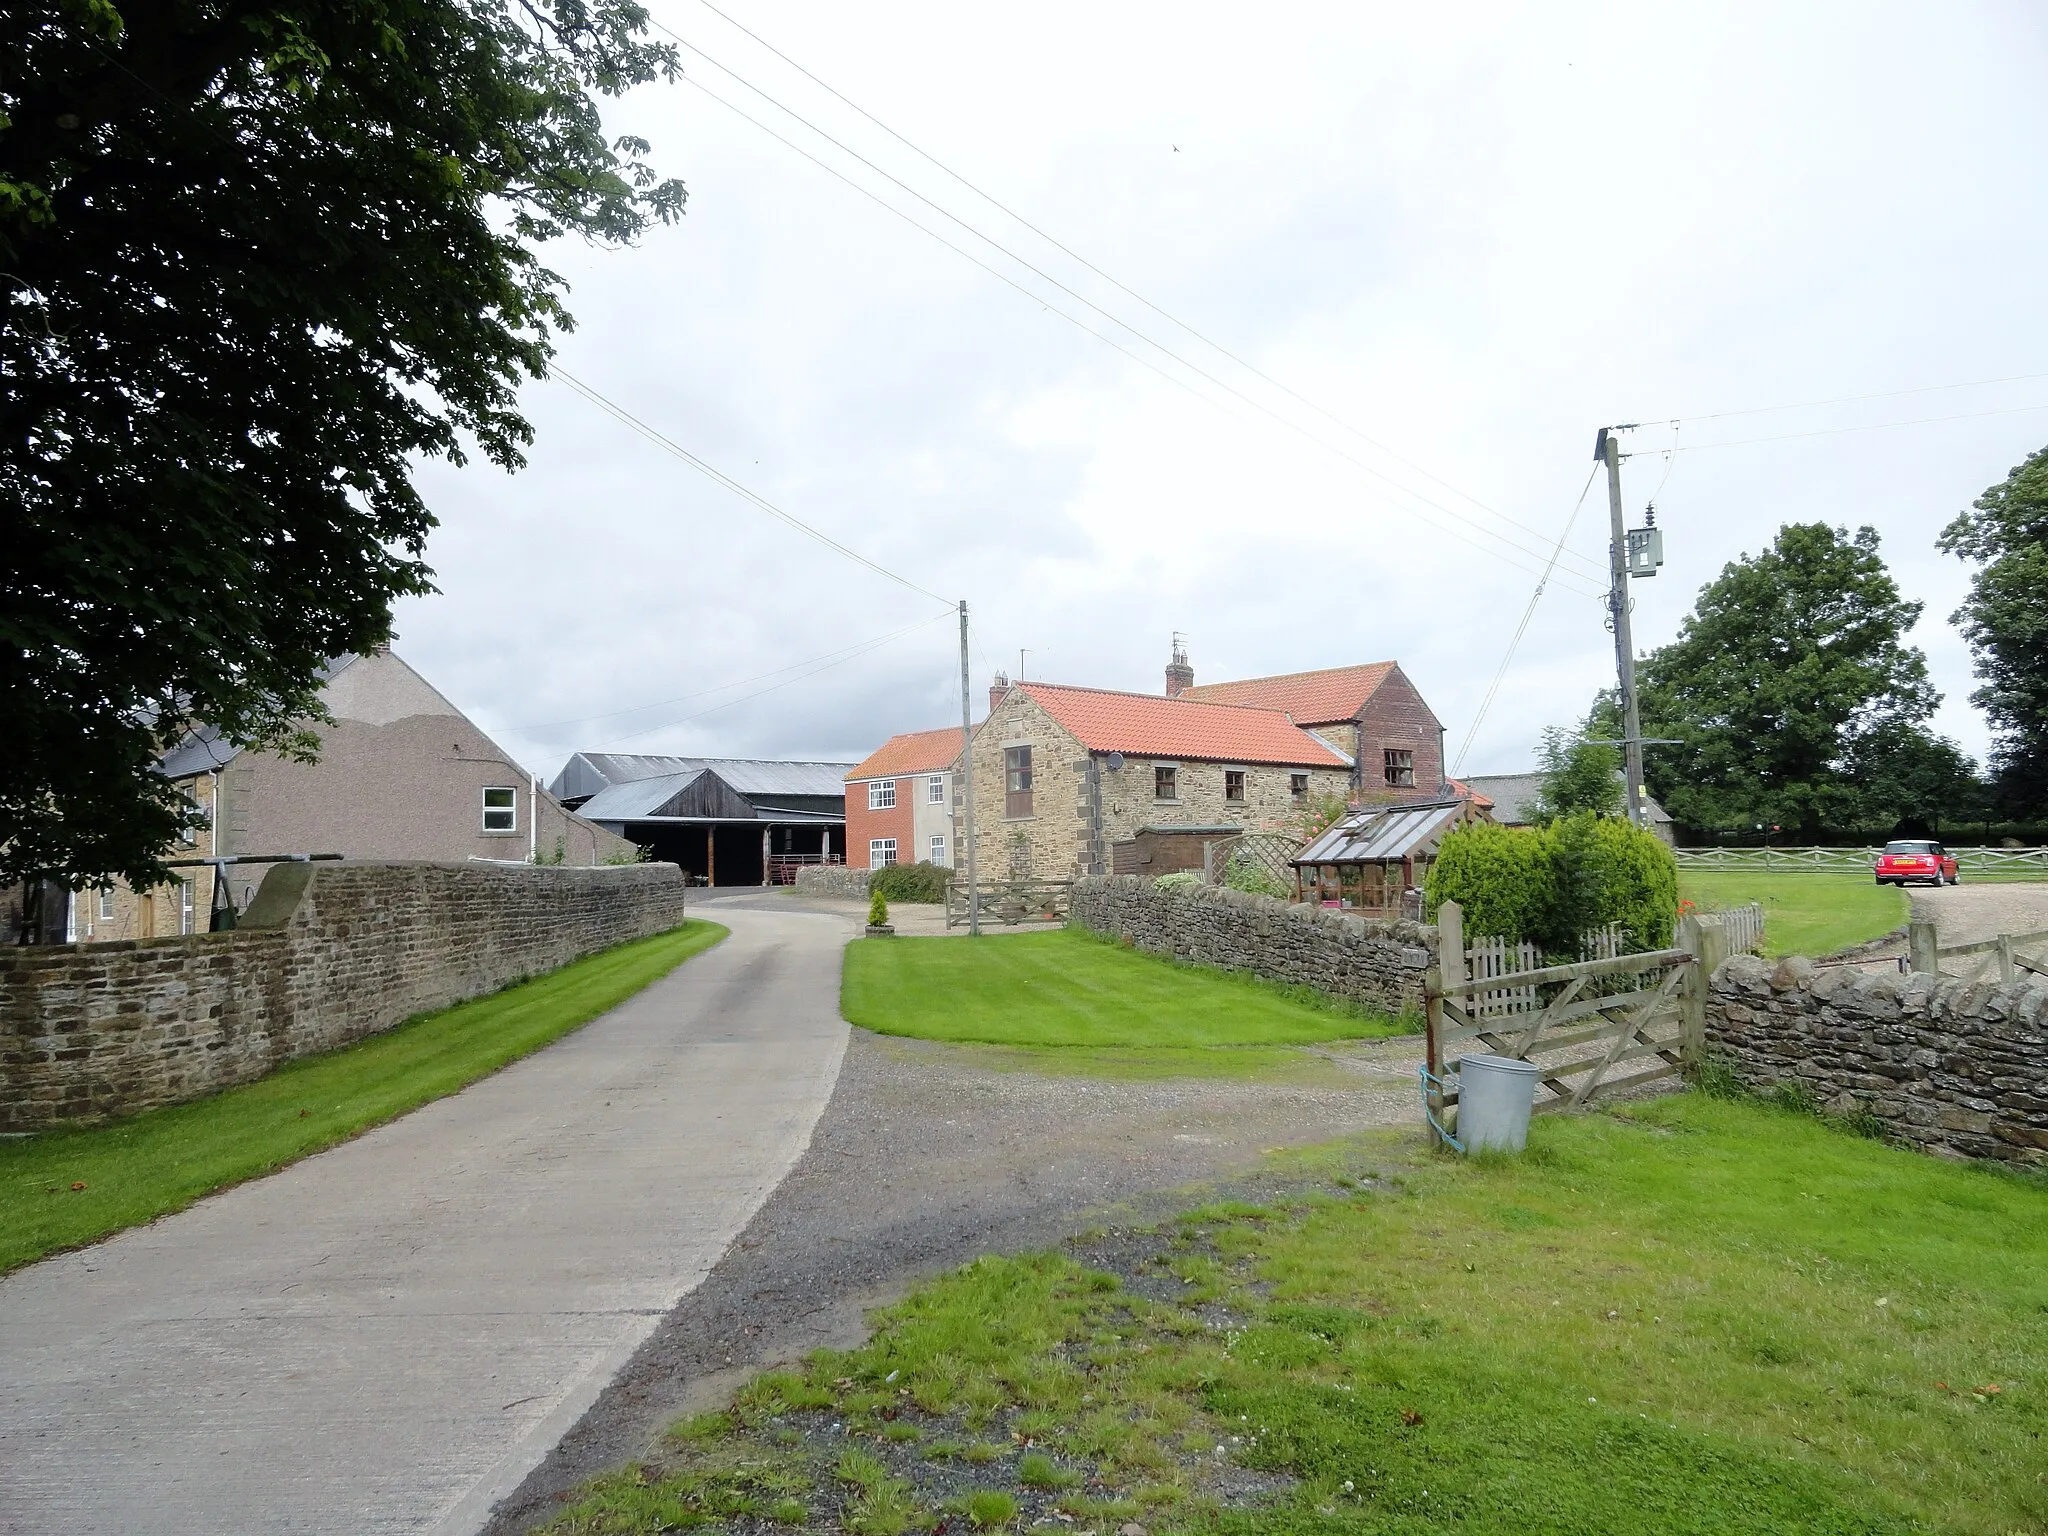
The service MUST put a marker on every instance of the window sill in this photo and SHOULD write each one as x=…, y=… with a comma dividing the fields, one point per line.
x=1031, y=817
x=490, y=832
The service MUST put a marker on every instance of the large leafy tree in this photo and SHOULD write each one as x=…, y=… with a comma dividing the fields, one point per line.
x=2005, y=533
x=1789, y=659
x=1577, y=775
x=257, y=257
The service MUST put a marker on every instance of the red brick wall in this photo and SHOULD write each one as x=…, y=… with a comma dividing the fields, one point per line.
x=1396, y=717
x=863, y=825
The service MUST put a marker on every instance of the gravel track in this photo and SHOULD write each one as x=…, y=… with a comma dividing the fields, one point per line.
x=924, y=1159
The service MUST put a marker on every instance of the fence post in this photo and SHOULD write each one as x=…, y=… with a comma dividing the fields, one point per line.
x=1923, y=945
x=2006, y=969
x=1448, y=971
x=1707, y=938
x=1450, y=929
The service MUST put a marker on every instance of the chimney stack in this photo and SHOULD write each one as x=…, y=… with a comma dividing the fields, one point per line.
x=996, y=691
x=1179, y=675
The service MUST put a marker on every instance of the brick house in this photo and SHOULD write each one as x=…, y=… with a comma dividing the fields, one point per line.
x=900, y=799
x=1372, y=714
x=401, y=774
x=1062, y=773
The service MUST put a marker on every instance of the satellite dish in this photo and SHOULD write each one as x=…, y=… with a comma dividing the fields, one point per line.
x=1116, y=762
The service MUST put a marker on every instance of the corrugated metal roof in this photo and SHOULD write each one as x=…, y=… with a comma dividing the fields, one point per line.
x=587, y=773
x=635, y=798
x=1148, y=725
x=1385, y=832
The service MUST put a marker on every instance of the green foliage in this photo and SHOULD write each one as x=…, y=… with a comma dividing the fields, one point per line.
x=1179, y=880
x=878, y=908
x=988, y=1508
x=1244, y=873
x=1552, y=884
x=1321, y=811
x=138, y=1169
x=914, y=883
x=1501, y=877
x=1789, y=658
x=261, y=260
x=1578, y=775
x=2005, y=619
x=632, y=853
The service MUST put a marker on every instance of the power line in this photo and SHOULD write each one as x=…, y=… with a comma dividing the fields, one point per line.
x=858, y=651
x=1520, y=630
x=621, y=414
x=634, y=709
x=1874, y=426
x=1081, y=298
x=1107, y=277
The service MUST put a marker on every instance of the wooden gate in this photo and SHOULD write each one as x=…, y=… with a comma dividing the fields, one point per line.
x=1011, y=902
x=2007, y=957
x=1627, y=1009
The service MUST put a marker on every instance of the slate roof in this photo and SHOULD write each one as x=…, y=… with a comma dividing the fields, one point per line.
x=1514, y=794
x=1328, y=697
x=911, y=752
x=586, y=773
x=1149, y=725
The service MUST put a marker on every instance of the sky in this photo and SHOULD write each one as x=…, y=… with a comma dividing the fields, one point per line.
x=1364, y=281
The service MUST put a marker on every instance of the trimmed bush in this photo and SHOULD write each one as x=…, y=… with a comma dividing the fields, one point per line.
x=1179, y=880
x=913, y=883
x=1552, y=884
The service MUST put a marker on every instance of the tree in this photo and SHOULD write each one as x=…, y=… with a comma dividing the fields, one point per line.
x=1789, y=658
x=2005, y=619
x=1909, y=775
x=1577, y=775
x=258, y=258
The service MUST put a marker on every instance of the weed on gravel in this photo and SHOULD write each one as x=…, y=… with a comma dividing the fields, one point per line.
x=1689, y=1316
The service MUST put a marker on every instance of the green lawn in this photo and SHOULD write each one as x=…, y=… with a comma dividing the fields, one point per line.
x=1066, y=988
x=1804, y=914
x=1699, y=1316
x=65, y=1188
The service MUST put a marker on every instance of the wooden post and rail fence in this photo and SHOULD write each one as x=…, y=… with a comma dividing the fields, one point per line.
x=1625, y=1010
x=2013, y=956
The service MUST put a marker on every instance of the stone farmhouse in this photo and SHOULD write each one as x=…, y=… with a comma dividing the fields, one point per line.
x=900, y=800
x=1062, y=774
x=401, y=774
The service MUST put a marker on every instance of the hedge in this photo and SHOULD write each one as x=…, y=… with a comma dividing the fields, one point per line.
x=1549, y=885
x=911, y=882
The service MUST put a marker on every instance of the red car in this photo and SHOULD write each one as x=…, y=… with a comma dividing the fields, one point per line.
x=1916, y=859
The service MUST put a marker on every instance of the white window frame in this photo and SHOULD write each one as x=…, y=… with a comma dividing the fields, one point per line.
x=185, y=906
x=881, y=794
x=938, y=849
x=935, y=789
x=509, y=809
x=881, y=852
x=106, y=903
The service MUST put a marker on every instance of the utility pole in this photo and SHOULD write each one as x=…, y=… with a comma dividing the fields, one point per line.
x=967, y=780
x=1609, y=449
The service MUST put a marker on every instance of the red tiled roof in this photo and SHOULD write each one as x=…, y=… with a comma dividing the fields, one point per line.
x=912, y=752
x=1313, y=698
x=1148, y=725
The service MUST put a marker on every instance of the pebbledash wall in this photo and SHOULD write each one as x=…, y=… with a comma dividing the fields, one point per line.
x=1378, y=964
x=1954, y=1067
x=326, y=954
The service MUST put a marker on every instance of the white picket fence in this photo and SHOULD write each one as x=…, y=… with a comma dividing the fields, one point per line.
x=1486, y=958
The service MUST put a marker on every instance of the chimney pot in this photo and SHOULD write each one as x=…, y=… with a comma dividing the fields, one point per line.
x=997, y=689
x=1179, y=675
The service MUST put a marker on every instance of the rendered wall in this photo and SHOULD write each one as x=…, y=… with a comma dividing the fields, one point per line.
x=327, y=954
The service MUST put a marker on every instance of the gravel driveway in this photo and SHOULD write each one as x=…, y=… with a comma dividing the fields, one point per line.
x=1968, y=912
x=925, y=1158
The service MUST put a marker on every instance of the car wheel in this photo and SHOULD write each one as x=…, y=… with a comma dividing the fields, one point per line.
x=1956, y=878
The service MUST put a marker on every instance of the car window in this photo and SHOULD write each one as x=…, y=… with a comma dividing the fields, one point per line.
x=1910, y=847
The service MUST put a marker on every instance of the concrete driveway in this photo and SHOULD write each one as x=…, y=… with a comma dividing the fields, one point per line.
x=391, y=1335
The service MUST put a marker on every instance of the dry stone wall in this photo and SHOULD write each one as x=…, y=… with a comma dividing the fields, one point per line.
x=327, y=954
x=1954, y=1067
x=1378, y=964
x=832, y=880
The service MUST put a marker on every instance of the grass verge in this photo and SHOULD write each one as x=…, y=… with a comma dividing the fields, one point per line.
x=1695, y=1316
x=1290, y=1065
x=65, y=1188
x=1804, y=914
x=1066, y=988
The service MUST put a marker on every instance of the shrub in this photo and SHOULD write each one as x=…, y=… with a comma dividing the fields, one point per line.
x=1550, y=885
x=1248, y=874
x=1179, y=880
x=878, y=909
x=914, y=883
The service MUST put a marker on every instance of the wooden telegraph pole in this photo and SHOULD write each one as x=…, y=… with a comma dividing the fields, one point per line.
x=967, y=780
x=1609, y=449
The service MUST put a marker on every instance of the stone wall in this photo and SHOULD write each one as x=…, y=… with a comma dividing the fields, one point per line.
x=832, y=880
x=326, y=954
x=1378, y=964
x=1953, y=1067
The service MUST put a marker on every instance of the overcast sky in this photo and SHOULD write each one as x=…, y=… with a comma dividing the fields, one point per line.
x=1470, y=238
